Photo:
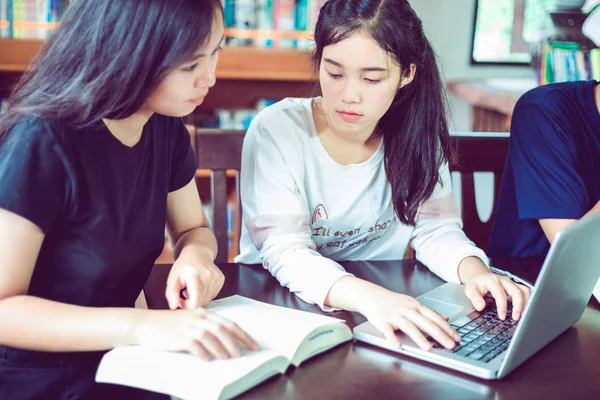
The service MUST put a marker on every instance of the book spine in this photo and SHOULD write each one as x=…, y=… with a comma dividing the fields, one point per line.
x=4, y=24
x=543, y=65
x=229, y=13
x=286, y=20
x=245, y=19
x=264, y=22
x=18, y=18
x=276, y=10
x=30, y=20
x=595, y=61
x=41, y=18
x=53, y=11
x=11, y=19
x=550, y=65
x=61, y=5
x=580, y=66
x=301, y=22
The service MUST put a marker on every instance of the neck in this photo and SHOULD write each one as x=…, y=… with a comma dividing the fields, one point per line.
x=128, y=130
x=345, y=149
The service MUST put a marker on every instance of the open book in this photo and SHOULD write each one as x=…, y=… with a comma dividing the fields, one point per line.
x=286, y=337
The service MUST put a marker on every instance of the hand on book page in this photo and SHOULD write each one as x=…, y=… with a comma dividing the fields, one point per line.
x=198, y=331
x=286, y=336
x=295, y=334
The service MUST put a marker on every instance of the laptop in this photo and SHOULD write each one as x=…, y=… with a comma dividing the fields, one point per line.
x=492, y=348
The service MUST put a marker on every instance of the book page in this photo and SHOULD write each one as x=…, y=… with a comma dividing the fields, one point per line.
x=187, y=376
x=277, y=328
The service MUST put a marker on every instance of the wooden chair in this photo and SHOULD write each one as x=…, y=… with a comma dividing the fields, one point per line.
x=484, y=152
x=219, y=151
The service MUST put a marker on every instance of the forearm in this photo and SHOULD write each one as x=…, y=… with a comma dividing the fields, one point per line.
x=293, y=261
x=196, y=243
x=442, y=246
x=470, y=267
x=352, y=294
x=37, y=324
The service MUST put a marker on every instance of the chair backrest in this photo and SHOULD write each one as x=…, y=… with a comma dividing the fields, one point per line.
x=219, y=151
x=478, y=152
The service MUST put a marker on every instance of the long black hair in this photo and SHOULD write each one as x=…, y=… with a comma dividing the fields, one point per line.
x=107, y=57
x=414, y=129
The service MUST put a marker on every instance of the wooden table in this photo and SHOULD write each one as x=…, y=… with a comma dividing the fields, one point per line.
x=567, y=368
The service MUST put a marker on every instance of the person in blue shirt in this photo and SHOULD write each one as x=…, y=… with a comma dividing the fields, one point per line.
x=94, y=159
x=552, y=174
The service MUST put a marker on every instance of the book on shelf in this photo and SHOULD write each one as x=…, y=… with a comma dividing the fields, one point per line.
x=30, y=19
x=271, y=23
x=261, y=23
x=566, y=62
x=286, y=337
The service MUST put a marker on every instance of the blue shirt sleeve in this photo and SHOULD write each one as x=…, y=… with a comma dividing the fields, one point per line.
x=544, y=159
x=183, y=158
x=33, y=176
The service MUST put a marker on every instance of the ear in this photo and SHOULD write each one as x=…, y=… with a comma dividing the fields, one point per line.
x=408, y=76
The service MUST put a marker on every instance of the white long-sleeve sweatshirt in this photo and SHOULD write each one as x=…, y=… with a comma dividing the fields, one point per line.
x=303, y=212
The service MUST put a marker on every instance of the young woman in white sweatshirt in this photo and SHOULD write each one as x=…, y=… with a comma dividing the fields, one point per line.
x=361, y=173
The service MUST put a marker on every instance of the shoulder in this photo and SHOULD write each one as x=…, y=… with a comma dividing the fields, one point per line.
x=288, y=120
x=35, y=134
x=550, y=115
x=552, y=97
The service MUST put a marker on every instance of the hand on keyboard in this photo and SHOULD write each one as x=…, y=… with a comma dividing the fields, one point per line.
x=480, y=281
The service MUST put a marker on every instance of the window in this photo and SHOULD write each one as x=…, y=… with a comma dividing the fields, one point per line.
x=504, y=29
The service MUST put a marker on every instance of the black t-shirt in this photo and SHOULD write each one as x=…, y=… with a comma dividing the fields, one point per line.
x=101, y=204
x=552, y=169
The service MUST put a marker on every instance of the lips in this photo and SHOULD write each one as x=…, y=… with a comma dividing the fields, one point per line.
x=197, y=101
x=349, y=116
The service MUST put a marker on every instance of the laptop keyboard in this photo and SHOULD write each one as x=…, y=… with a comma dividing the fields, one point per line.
x=484, y=337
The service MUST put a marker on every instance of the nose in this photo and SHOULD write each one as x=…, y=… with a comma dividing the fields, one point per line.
x=351, y=91
x=206, y=77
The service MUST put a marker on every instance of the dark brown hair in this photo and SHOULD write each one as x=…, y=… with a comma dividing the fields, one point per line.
x=414, y=129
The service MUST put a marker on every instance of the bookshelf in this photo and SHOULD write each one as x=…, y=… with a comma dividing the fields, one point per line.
x=237, y=63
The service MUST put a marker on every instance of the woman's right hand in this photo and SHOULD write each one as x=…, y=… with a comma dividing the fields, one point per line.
x=197, y=331
x=389, y=311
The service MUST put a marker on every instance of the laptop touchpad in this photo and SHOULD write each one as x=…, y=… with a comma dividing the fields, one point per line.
x=446, y=309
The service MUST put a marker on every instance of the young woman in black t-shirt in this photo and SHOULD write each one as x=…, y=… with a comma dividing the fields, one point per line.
x=93, y=160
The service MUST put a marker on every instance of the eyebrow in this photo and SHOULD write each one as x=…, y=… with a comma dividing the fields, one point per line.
x=337, y=64
x=196, y=56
